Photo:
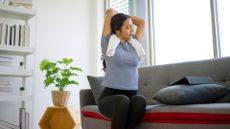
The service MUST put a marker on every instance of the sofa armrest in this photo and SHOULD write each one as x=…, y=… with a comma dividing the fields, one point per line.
x=86, y=97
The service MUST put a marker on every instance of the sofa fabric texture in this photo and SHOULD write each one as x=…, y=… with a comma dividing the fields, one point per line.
x=152, y=79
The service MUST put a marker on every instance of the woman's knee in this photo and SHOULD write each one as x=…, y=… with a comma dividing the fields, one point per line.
x=113, y=103
x=138, y=100
x=121, y=99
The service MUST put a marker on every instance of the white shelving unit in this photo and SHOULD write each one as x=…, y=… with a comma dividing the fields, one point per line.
x=20, y=51
x=16, y=73
x=18, y=13
x=9, y=98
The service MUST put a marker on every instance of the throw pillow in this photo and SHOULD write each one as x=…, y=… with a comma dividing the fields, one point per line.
x=193, y=80
x=192, y=94
x=96, y=87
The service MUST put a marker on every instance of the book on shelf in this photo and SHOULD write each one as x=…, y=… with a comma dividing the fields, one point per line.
x=27, y=120
x=12, y=29
x=5, y=58
x=14, y=35
x=5, y=87
x=2, y=33
x=8, y=125
x=7, y=37
x=4, y=82
x=22, y=118
x=7, y=62
x=21, y=35
x=27, y=35
x=22, y=3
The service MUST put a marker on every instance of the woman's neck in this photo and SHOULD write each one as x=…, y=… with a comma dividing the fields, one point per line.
x=122, y=40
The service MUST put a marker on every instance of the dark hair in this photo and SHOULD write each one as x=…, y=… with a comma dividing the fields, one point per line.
x=117, y=21
x=103, y=63
x=116, y=24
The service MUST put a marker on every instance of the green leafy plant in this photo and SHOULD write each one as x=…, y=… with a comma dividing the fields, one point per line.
x=59, y=73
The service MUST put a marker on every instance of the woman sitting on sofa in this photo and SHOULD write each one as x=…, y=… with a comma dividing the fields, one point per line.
x=121, y=55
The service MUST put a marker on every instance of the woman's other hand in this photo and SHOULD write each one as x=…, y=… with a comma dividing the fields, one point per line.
x=110, y=12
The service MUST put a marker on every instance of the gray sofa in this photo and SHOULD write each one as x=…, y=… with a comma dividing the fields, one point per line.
x=162, y=116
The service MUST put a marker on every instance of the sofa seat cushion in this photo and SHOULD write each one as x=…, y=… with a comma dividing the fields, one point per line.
x=215, y=113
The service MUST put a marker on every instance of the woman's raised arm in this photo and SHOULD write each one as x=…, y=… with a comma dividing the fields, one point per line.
x=140, y=23
x=107, y=28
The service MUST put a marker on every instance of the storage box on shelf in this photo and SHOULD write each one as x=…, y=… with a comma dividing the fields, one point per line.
x=15, y=42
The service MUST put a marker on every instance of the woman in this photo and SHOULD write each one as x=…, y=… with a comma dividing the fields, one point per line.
x=119, y=100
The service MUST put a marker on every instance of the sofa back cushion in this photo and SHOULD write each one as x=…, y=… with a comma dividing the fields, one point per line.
x=96, y=87
x=154, y=78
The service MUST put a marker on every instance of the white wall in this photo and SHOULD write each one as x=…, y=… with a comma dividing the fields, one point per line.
x=65, y=28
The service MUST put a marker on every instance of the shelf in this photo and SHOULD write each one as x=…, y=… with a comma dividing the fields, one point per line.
x=12, y=50
x=25, y=17
x=16, y=73
x=4, y=98
x=11, y=11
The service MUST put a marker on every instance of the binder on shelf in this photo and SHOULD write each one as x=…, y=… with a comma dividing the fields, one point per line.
x=4, y=82
x=3, y=34
x=22, y=118
x=7, y=62
x=27, y=35
x=12, y=29
x=5, y=87
x=16, y=35
x=21, y=35
x=22, y=3
x=27, y=120
x=7, y=37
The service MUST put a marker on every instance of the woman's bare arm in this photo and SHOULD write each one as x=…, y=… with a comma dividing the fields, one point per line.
x=140, y=23
x=107, y=28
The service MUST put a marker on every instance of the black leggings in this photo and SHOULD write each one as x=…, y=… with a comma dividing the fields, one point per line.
x=126, y=108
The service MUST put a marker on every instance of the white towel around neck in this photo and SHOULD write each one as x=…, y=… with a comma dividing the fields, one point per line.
x=114, y=42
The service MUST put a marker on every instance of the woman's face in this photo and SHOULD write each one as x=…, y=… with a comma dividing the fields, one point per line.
x=126, y=31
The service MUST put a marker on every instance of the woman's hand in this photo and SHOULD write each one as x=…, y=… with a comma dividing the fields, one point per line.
x=140, y=23
x=110, y=12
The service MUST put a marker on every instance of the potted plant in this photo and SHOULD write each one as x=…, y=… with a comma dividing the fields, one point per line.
x=61, y=74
